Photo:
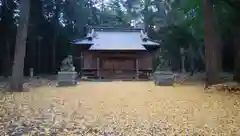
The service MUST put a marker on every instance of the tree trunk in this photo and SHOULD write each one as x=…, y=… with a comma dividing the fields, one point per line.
x=7, y=60
x=54, y=51
x=237, y=65
x=211, y=45
x=237, y=56
x=237, y=43
x=20, y=48
x=39, y=57
x=218, y=40
x=5, y=27
x=55, y=37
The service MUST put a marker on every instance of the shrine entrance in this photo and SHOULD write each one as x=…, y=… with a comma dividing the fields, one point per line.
x=117, y=67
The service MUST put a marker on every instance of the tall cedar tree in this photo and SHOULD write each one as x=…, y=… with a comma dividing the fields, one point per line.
x=211, y=45
x=20, y=48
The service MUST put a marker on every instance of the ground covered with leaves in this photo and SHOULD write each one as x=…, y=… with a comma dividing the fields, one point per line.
x=120, y=108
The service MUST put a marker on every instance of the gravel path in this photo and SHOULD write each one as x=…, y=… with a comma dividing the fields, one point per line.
x=120, y=108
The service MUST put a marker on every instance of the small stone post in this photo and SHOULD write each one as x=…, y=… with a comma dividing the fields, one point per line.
x=137, y=69
x=98, y=65
x=31, y=71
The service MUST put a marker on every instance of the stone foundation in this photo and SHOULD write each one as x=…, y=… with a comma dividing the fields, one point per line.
x=67, y=78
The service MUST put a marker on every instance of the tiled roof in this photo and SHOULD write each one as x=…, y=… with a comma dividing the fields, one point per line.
x=116, y=40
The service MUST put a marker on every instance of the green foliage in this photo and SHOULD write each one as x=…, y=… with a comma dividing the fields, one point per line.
x=177, y=23
x=184, y=25
x=182, y=28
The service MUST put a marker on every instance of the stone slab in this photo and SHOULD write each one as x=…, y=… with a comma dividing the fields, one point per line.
x=164, y=82
x=164, y=78
x=62, y=83
x=67, y=78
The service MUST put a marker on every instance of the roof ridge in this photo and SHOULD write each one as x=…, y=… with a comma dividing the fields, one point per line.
x=119, y=29
x=144, y=36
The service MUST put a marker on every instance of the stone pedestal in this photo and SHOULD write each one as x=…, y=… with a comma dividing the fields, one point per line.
x=164, y=78
x=67, y=78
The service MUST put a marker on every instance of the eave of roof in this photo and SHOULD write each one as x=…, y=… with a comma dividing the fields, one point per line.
x=82, y=41
x=117, y=39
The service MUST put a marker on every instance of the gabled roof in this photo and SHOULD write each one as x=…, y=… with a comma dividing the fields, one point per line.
x=116, y=39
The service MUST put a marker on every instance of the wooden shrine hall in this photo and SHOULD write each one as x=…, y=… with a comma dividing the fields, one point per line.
x=111, y=53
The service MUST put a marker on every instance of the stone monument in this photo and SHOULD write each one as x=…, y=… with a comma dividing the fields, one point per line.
x=163, y=75
x=67, y=75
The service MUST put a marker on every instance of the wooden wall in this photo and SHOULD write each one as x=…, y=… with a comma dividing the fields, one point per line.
x=145, y=61
x=144, y=58
x=89, y=60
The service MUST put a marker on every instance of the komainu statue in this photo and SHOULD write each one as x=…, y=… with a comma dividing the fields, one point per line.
x=67, y=64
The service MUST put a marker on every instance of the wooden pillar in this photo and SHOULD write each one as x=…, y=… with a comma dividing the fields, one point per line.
x=98, y=66
x=137, y=69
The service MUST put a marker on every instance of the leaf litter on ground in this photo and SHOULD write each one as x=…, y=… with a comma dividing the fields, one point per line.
x=119, y=108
